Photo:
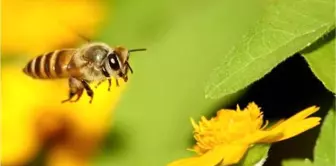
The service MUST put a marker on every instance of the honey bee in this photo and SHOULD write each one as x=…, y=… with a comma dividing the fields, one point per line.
x=94, y=61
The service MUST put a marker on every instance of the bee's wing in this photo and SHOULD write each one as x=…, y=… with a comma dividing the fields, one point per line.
x=94, y=53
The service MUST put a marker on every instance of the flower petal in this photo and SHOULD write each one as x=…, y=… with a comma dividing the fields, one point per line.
x=300, y=127
x=233, y=153
x=210, y=158
x=184, y=162
x=294, y=125
x=299, y=116
x=267, y=136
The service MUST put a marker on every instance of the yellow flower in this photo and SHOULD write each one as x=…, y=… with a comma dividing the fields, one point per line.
x=33, y=117
x=32, y=114
x=225, y=138
x=33, y=27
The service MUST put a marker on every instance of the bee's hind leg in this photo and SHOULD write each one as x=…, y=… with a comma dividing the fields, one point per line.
x=71, y=95
x=76, y=88
x=79, y=94
x=89, y=91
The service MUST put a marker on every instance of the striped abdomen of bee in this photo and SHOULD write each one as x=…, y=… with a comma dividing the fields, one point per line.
x=50, y=65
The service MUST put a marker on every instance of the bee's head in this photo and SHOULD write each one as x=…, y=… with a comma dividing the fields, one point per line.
x=117, y=62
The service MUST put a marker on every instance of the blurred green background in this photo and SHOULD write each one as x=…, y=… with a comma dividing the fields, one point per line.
x=185, y=39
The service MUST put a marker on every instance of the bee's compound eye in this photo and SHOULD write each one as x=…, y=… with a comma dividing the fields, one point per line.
x=114, y=62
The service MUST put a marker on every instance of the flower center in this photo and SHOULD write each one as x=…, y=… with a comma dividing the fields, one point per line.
x=227, y=127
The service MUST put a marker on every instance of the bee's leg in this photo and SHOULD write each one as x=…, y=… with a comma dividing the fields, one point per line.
x=88, y=90
x=125, y=78
x=79, y=94
x=71, y=95
x=101, y=81
x=110, y=83
x=117, y=82
x=76, y=88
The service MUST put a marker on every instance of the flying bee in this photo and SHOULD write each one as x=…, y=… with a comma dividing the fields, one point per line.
x=94, y=61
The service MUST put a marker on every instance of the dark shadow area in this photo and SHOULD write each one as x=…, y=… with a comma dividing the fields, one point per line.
x=287, y=89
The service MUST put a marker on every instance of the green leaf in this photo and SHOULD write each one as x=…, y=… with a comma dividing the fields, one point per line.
x=324, y=153
x=297, y=162
x=322, y=61
x=255, y=154
x=287, y=27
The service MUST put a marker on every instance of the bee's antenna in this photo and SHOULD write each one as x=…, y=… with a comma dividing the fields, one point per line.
x=138, y=49
x=129, y=66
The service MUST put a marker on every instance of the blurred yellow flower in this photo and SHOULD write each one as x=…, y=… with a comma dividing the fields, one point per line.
x=34, y=27
x=33, y=116
x=225, y=138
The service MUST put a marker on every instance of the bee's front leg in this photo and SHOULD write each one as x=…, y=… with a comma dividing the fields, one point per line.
x=110, y=84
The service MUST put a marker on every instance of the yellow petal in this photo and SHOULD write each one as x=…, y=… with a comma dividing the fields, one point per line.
x=304, y=113
x=184, y=162
x=238, y=108
x=194, y=124
x=233, y=153
x=275, y=124
x=210, y=158
x=226, y=155
x=299, y=127
x=299, y=116
x=267, y=136
x=294, y=125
